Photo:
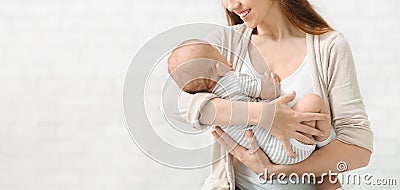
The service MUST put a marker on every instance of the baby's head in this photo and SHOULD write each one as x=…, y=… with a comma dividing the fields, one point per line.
x=196, y=66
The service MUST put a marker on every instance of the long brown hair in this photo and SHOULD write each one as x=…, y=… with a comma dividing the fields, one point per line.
x=300, y=13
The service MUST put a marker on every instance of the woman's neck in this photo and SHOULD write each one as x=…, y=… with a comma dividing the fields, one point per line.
x=276, y=26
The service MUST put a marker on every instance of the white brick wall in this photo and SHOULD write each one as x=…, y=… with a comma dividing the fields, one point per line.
x=62, y=65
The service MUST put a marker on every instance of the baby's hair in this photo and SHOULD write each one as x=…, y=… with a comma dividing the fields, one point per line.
x=188, y=51
x=174, y=59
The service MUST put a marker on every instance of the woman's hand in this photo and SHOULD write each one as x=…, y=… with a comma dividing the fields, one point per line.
x=254, y=158
x=283, y=122
x=287, y=124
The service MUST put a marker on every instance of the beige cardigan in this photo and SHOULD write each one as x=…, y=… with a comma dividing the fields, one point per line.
x=335, y=80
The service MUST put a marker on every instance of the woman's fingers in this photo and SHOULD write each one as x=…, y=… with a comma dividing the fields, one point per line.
x=227, y=139
x=287, y=147
x=265, y=75
x=308, y=130
x=219, y=139
x=251, y=140
x=304, y=139
x=229, y=144
x=311, y=116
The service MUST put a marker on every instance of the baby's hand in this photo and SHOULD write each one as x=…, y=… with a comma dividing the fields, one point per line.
x=230, y=65
x=270, y=86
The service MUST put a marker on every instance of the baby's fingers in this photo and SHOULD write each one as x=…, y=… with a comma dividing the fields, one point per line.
x=265, y=76
x=275, y=77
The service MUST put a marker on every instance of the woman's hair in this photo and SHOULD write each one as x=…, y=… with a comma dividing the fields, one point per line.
x=300, y=13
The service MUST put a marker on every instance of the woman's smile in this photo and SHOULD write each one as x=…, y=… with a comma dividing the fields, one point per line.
x=243, y=14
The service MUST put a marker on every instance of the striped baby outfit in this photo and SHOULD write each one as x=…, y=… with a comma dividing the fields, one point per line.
x=243, y=87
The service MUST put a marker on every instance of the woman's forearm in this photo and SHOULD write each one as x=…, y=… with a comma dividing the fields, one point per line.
x=225, y=112
x=326, y=159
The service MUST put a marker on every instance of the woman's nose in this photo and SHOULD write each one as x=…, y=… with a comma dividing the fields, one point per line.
x=232, y=5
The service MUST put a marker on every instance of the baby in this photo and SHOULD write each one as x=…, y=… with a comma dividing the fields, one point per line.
x=196, y=66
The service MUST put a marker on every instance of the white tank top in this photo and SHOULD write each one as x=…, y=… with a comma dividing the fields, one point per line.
x=299, y=81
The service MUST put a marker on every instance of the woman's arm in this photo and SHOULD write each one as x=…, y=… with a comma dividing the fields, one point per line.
x=321, y=161
x=346, y=103
x=327, y=158
x=219, y=111
x=225, y=112
x=285, y=122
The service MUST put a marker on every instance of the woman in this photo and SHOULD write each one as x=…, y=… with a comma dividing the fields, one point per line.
x=288, y=34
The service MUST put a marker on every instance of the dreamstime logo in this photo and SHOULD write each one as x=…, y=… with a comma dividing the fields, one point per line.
x=333, y=177
x=294, y=178
x=306, y=178
x=341, y=166
x=152, y=100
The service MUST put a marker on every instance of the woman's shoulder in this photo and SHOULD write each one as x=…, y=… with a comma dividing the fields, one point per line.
x=332, y=42
x=332, y=38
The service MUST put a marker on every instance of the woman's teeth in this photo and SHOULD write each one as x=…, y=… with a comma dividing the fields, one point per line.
x=244, y=13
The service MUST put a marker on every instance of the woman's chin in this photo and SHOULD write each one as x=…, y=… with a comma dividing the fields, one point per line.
x=250, y=25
